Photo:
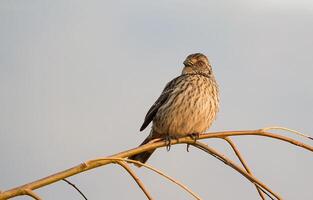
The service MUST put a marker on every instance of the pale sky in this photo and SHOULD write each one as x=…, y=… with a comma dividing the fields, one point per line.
x=77, y=78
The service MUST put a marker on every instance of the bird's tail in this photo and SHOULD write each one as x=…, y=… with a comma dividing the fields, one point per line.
x=144, y=156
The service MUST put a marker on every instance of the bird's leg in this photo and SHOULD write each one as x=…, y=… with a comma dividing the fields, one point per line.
x=168, y=139
x=193, y=136
x=168, y=142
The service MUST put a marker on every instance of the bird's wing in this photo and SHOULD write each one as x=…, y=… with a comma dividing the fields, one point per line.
x=159, y=102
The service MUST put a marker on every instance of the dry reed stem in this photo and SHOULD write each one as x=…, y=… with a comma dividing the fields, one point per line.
x=288, y=130
x=259, y=132
x=158, y=172
x=90, y=165
x=136, y=178
x=75, y=187
x=233, y=165
x=32, y=194
x=243, y=162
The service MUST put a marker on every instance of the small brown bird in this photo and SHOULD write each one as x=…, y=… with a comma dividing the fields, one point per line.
x=188, y=104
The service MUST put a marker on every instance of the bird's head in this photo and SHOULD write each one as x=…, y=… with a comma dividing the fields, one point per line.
x=197, y=63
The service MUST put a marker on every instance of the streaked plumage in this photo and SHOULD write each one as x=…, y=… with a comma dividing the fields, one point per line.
x=188, y=104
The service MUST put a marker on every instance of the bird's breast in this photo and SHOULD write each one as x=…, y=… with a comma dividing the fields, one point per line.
x=190, y=108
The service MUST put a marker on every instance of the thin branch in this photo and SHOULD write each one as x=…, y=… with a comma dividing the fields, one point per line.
x=30, y=193
x=76, y=188
x=158, y=172
x=259, y=132
x=90, y=165
x=233, y=165
x=243, y=162
x=136, y=178
x=287, y=129
x=267, y=194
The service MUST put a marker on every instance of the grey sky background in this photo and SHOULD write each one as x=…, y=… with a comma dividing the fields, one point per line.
x=77, y=78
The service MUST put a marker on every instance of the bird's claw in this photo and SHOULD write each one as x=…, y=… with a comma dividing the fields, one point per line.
x=168, y=142
x=193, y=136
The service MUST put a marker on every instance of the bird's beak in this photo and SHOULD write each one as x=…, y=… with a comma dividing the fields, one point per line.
x=188, y=63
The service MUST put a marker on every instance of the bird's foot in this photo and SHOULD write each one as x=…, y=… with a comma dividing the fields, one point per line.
x=168, y=140
x=193, y=136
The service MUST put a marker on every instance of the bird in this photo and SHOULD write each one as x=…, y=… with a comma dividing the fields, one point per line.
x=187, y=105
